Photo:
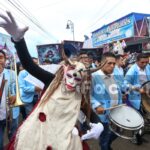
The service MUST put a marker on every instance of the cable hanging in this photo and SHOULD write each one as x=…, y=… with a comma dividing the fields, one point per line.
x=28, y=15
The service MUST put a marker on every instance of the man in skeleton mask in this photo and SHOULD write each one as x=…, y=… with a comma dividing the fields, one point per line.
x=52, y=121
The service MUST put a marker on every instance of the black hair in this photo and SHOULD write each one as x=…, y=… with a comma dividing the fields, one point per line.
x=107, y=54
x=1, y=51
x=90, y=55
x=118, y=56
x=140, y=56
x=18, y=64
x=82, y=52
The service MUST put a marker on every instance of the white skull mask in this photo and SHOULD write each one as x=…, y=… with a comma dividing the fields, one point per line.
x=72, y=79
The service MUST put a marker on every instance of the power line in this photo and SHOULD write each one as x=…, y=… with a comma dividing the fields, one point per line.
x=105, y=14
x=18, y=3
x=28, y=15
x=4, y=8
x=101, y=9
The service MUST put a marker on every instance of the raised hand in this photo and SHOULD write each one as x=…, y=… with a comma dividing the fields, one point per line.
x=9, y=24
x=94, y=132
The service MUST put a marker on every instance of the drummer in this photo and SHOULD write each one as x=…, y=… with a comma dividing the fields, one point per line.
x=138, y=74
x=105, y=93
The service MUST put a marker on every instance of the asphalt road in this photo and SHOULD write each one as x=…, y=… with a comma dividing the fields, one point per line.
x=123, y=144
x=120, y=144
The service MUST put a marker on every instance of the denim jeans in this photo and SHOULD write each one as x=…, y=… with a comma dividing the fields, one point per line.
x=28, y=109
x=23, y=112
x=106, y=138
x=2, y=129
x=35, y=99
x=13, y=128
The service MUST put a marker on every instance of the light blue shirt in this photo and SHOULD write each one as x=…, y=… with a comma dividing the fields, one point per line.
x=133, y=78
x=119, y=75
x=10, y=87
x=27, y=90
x=100, y=96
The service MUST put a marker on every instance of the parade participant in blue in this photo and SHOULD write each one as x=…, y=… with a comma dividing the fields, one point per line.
x=52, y=121
x=8, y=115
x=28, y=90
x=118, y=70
x=135, y=77
x=105, y=94
x=138, y=74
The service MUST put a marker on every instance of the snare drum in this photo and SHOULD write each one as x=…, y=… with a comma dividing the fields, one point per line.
x=125, y=121
x=146, y=106
x=145, y=100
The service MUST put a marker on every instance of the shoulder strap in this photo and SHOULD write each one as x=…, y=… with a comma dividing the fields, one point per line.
x=2, y=88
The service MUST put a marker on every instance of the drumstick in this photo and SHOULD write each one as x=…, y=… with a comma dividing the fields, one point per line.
x=110, y=108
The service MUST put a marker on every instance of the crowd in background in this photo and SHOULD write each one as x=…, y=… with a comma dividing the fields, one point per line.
x=122, y=66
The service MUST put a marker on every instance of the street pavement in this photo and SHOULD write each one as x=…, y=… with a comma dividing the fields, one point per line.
x=123, y=144
x=120, y=144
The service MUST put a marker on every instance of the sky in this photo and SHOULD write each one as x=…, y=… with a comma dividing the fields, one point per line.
x=52, y=16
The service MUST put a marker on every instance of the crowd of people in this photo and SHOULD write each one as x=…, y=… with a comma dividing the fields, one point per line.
x=74, y=104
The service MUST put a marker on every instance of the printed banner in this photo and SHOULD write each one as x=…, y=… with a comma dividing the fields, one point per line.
x=121, y=29
x=8, y=48
x=50, y=52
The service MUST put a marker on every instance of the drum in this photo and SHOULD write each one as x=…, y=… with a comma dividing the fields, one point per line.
x=125, y=122
x=145, y=100
x=145, y=105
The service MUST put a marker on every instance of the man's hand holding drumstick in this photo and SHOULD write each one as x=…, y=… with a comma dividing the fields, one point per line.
x=101, y=110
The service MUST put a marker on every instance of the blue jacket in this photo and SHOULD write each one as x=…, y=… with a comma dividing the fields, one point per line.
x=132, y=78
x=100, y=96
x=27, y=90
x=10, y=85
x=119, y=77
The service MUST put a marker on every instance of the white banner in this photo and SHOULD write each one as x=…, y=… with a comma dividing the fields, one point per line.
x=50, y=68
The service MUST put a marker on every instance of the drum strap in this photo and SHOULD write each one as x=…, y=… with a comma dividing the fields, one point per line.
x=145, y=83
x=2, y=88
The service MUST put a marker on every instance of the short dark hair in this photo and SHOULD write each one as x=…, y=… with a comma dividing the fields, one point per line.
x=140, y=56
x=1, y=51
x=82, y=52
x=106, y=55
x=118, y=56
x=90, y=55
